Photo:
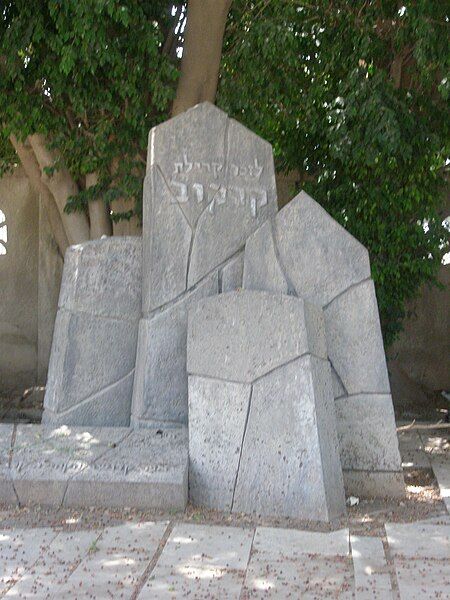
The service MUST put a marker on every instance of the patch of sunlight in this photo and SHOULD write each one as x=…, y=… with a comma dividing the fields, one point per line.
x=72, y=521
x=263, y=584
x=4, y=537
x=184, y=540
x=117, y=562
x=207, y=572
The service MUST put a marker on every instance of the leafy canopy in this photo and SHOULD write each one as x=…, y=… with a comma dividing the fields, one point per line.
x=352, y=95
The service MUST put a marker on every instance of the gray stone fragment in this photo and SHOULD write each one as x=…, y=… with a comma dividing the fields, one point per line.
x=231, y=274
x=221, y=177
x=160, y=385
x=241, y=336
x=354, y=340
x=210, y=184
x=217, y=417
x=374, y=484
x=365, y=441
x=302, y=251
x=95, y=335
x=261, y=410
x=46, y=458
x=262, y=269
x=167, y=241
x=290, y=459
x=321, y=258
x=147, y=470
x=108, y=408
x=7, y=495
x=89, y=354
x=103, y=278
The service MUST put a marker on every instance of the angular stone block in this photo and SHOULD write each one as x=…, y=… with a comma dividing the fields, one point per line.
x=302, y=251
x=262, y=433
x=94, y=342
x=364, y=440
x=110, y=467
x=210, y=184
x=355, y=343
x=232, y=338
x=209, y=178
x=160, y=383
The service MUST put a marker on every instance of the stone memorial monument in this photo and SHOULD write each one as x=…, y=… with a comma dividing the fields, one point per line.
x=281, y=377
x=262, y=428
x=210, y=183
x=304, y=252
x=91, y=370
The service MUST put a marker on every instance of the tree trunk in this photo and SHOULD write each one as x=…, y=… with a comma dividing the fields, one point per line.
x=98, y=212
x=62, y=186
x=206, y=20
x=31, y=167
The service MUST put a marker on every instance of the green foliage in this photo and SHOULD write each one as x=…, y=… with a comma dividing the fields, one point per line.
x=90, y=75
x=315, y=79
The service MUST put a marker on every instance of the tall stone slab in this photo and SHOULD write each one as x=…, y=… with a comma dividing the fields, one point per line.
x=210, y=184
x=304, y=252
x=262, y=429
x=91, y=370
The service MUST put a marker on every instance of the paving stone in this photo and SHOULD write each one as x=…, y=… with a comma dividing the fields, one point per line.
x=303, y=252
x=422, y=559
x=53, y=567
x=264, y=441
x=354, y=340
x=114, y=566
x=202, y=562
x=422, y=579
x=7, y=494
x=281, y=544
x=410, y=540
x=308, y=578
x=299, y=564
x=241, y=336
x=19, y=550
x=160, y=385
x=94, y=341
x=365, y=442
x=210, y=184
x=147, y=470
x=46, y=458
x=372, y=578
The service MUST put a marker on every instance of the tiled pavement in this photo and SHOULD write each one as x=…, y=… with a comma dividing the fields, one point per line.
x=153, y=560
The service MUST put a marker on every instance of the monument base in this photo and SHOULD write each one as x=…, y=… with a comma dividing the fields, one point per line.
x=374, y=484
x=88, y=466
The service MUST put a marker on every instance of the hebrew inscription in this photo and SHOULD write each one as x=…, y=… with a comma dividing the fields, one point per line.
x=234, y=183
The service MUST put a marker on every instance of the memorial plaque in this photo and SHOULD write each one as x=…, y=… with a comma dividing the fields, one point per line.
x=210, y=183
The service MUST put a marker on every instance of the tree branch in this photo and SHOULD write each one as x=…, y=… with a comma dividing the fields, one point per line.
x=206, y=20
x=33, y=172
x=62, y=186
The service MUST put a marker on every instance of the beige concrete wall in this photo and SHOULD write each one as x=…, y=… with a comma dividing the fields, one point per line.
x=422, y=351
x=19, y=285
